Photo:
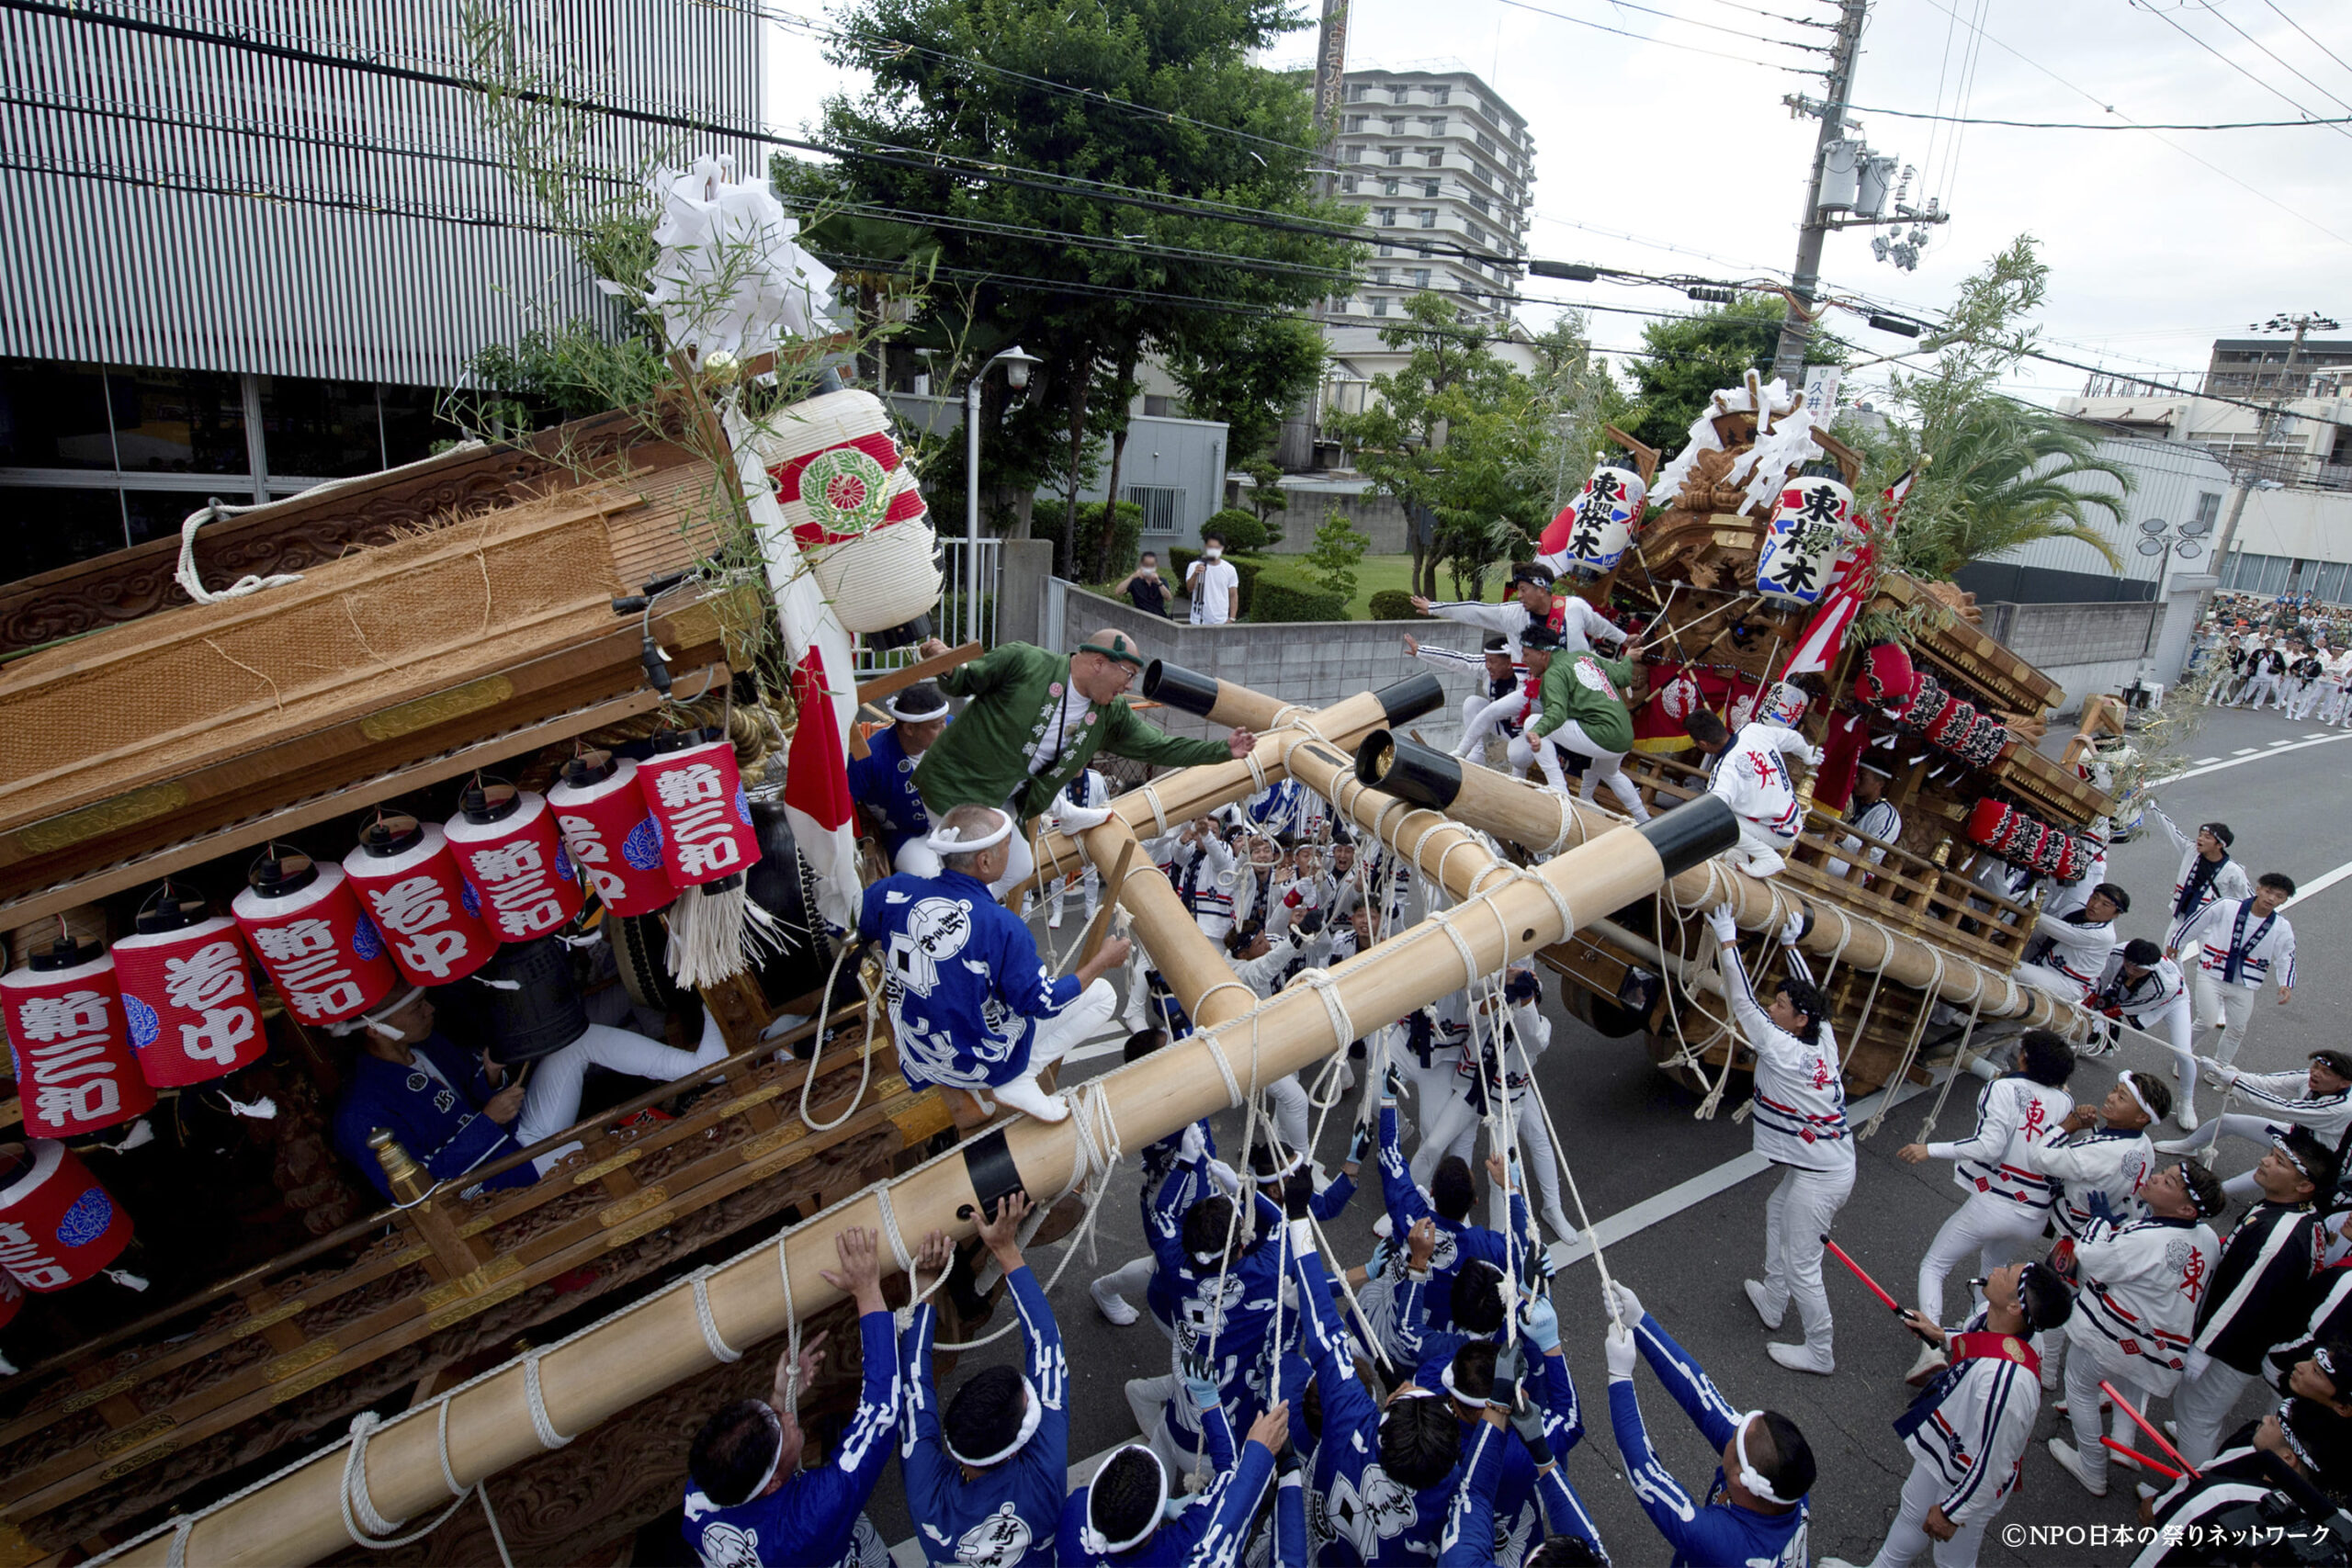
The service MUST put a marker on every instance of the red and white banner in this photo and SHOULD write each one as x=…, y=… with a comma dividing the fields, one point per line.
x=824, y=682
x=1854, y=575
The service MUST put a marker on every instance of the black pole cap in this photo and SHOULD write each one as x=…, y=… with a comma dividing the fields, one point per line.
x=1188, y=690
x=171, y=907
x=905, y=634
x=1407, y=770
x=1698, y=829
x=1407, y=699
x=493, y=802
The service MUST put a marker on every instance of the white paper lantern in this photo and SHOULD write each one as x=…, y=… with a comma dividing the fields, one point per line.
x=1810, y=529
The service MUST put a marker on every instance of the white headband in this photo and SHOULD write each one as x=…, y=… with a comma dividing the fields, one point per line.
x=903, y=717
x=1749, y=1476
x=1093, y=1540
x=373, y=1018
x=1874, y=768
x=1029, y=1419
x=775, y=1428
x=2132, y=1088
x=1284, y=1172
x=1459, y=1398
x=947, y=841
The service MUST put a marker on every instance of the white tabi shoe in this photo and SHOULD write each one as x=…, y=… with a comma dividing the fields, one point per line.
x=1757, y=1296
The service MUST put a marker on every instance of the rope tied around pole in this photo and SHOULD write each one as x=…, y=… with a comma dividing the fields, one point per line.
x=712, y=1339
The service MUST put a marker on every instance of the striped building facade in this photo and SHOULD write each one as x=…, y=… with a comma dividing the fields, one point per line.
x=249, y=242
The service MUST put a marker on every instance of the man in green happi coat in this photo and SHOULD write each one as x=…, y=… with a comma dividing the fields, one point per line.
x=1585, y=710
x=1035, y=721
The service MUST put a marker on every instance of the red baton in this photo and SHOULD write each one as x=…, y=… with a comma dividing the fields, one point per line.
x=2136, y=1457
x=1872, y=1285
x=2141, y=1421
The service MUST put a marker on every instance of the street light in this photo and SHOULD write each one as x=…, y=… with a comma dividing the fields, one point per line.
x=1017, y=364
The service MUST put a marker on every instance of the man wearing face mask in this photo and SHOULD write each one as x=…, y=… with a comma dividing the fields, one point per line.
x=1214, y=584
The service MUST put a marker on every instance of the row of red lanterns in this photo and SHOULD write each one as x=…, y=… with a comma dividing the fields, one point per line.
x=94, y=1034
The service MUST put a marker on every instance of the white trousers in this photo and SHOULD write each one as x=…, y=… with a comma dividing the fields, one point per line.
x=1455, y=1131
x=2200, y=1409
x=1091, y=881
x=1482, y=718
x=1992, y=1229
x=2223, y=688
x=1432, y=1090
x=2306, y=697
x=551, y=1097
x=2222, y=1006
x=1796, y=1216
x=2043, y=977
x=2258, y=690
x=1600, y=766
x=2083, y=1374
x=1054, y=1038
x=1907, y=1537
x=1287, y=1100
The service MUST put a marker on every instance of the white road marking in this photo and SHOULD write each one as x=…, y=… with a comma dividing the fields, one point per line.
x=2201, y=762
x=2315, y=735
x=2283, y=742
x=2240, y=760
x=2242, y=751
x=2318, y=884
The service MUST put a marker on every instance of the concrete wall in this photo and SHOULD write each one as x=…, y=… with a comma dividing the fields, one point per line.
x=2087, y=648
x=1379, y=518
x=1313, y=663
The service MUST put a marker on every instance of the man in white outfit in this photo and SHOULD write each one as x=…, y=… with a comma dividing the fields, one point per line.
x=1214, y=584
x=2143, y=988
x=2236, y=945
x=2066, y=955
x=2099, y=1159
x=1800, y=1125
x=1876, y=820
x=1504, y=1058
x=2319, y=1098
x=1754, y=780
x=2207, y=872
x=1494, y=673
x=1577, y=621
x=2007, y=1204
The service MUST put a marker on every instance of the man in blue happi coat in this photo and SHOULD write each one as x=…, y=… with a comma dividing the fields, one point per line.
x=883, y=781
x=971, y=1003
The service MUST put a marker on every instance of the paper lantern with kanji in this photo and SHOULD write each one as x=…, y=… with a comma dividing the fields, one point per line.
x=75, y=1069
x=1590, y=534
x=304, y=923
x=1884, y=677
x=697, y=799
x=1808, y=531
x=1784, y=702
x=406, y=877
x=58, y=1225
x=609, y=830
x=189, y=996
x=509, y=853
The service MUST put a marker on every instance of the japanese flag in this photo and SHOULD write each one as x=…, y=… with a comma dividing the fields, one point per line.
x=824, y=691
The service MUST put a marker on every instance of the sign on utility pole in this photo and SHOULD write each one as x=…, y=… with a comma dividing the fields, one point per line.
x=1787, y=360
x=1330, y=80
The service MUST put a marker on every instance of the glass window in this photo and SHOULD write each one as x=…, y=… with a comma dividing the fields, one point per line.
x=1348, y=186
x=158, y=513
x=1380, y=304
x=179, y=422
x=53, y=415
x=1387, y=249
x=319, y=429
x=1436, y=156
x=412, y=424
x=1380, y=276
x=1355, y=152
x=1395, y=155
x=1396, y=94
x=1436, y=123
x=1388, y=188
x=1396, y=123
x=1428, y=215
x=1441, y=94
x=1420, y=277
x=1355, y=122
x=1357, y=94
x=1384, y=216
x=1429, y=188
x=1485, y=142
x=2208, y=507
x=42, y=529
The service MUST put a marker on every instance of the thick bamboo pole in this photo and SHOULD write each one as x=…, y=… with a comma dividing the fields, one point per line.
x=1541, y=821
x=1197, y=974
x=1195, y=792
x=297, y=1517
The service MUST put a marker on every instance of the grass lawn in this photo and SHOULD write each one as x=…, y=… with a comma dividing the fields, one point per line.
x=1372, y=574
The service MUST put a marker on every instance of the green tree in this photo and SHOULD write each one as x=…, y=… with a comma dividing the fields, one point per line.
x=1687, y=360
x=1061, y=270
x=1998, y=470
x=1267, y=496
x=1338, y=545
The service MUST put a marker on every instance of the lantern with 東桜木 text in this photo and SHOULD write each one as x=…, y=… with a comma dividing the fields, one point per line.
x=1590, y=534
x=509, y=851
x=58, y=1225
x=406, y=877
x=187, y=994
x=75, y=1069
x=1809, y=530
x=698, y=802
x=609, y=830
x=303, y=922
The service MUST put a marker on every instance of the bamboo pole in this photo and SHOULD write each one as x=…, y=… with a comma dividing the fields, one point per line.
x=1543, y=822
x=298, y=1517
x=1195, y=792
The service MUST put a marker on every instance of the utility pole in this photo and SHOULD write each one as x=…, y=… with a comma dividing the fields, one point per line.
x=1331, y=81
x=1787, y=360
x=2247, y=475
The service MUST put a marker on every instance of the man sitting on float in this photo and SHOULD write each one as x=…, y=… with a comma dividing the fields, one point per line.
x=972, y=1005
x=1034, y=722
x=453, y=1111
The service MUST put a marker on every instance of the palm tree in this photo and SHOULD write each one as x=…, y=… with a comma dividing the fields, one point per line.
x=2005, y=474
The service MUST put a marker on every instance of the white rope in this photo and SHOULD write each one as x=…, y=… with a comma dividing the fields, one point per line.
x=1159, y=812
x=537, y=1399
x=817, y=1049
x=1952, y=1073
x=191, y=581
x=712, y=1339
x=369, y=1528
x=1910, y=1048
x=791, y=1329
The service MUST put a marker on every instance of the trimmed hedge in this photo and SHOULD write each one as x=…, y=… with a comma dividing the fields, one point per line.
x=1288, y=599
x=1244, y=534
x=1126, y=540
x=1183, y=560
x=1393, y=604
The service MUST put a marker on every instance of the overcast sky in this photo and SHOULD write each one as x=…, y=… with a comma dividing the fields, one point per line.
x=2158, y=242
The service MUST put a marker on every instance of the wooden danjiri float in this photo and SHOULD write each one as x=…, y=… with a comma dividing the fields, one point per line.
x=195, y=796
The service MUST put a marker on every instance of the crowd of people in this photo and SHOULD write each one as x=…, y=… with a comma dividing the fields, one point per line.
x=1412, y=1401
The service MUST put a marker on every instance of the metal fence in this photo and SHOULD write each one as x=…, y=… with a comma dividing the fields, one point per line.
x=963, y=616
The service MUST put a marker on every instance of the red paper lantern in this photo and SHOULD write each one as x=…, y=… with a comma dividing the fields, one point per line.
x=188, y=999
x=609, y=829
x=1885, y=678
x=75, y=1071
x=304, y=923
x=407, y=881
x=509, y=852
x=702, y=812
x=1987, y=820
x=58, y=1226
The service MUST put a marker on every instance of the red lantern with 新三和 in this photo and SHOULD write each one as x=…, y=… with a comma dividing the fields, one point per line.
x=187, y=994
x=58, y=1225
x=606, y=825
x=304, y=924
x=692, y=787
x=75, y=1069
x=508, y=848
x=406, y=877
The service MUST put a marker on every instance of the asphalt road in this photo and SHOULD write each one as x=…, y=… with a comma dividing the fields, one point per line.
x=1630, y=1137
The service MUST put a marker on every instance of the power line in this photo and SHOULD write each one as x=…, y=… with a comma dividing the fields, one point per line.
x=1710, y=27
x=1663, y=43
x=2306, y=32
x=2265, y=49
x=2088, y=125
x=2280, y=94
x=2184, y=151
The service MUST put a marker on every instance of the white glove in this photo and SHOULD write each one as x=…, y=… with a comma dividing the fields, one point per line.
x=1226, y=1180
x=1812, y=755
x=1192, y=1145
x=1621, y=1353
x=1794, y=930
x=1629, y=1305
x=1727, y=924
x=1072, y=819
